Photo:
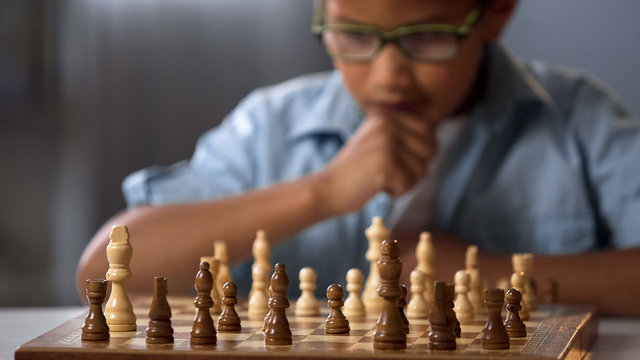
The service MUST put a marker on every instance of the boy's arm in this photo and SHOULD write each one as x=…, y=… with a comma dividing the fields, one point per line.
x=387, y=153
x=606, y=279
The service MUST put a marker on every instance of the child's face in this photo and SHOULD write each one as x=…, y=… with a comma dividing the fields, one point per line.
x=391, y=81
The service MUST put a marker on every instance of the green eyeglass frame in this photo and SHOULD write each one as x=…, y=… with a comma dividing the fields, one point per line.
x=387, y=36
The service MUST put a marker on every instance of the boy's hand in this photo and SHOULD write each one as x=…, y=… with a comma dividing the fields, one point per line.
x=389, y=152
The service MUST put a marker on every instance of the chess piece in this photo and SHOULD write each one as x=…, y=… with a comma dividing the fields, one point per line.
x=214, y=265
x=336, y=322
x=455, y=324
x=119, y=310
x=258, y=300
x=417, y=308
x=402, y=302
x=261, y=253
x=463, y=307
x=224, y=274
x=203, y=332
x=159, y=330
x=476, y=283
x=353, y=306
x=524, y=263
x=267, y=317
x=307, y=304
x=229, y=321
x=375, y=234
x=518, y=282
x=277, y=330
x=441, y=335
x=494, y=334
x=425, y=256
x=389, y=332
x=514, y=325
x=95, y=326
x=504, y=284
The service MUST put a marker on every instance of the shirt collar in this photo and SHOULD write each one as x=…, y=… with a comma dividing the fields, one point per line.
x=335, y=112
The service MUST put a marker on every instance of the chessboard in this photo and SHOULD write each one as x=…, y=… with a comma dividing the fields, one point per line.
x=554, y=332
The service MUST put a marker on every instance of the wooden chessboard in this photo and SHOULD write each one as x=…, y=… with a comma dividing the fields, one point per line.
x=554, y=332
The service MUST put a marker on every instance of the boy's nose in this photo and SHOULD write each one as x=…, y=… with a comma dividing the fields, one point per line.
x=391, y=68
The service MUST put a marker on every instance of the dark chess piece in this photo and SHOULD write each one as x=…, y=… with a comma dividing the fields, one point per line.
x=95, y=326
x=402, y=302
x=159, y=330
x=269, y=313
x=203, y=332
x=514, y=325
x=441, y=335
x=229, y=321
x=494, y=334
x=277, y=330
x=336, y=322
x=451, y=295
x=389, y=332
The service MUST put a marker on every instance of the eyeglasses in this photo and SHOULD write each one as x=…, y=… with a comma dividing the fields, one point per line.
x=423, y=43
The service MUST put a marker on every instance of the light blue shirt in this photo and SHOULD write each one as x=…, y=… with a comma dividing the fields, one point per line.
x=547, y=162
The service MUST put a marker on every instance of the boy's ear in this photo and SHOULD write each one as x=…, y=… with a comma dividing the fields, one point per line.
x=496, y=16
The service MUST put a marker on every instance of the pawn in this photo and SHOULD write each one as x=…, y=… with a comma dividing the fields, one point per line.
x=353, y=306
x=336, y=322
x=229, y=321
x=494, y=334
x=95, y=326
x=277, y=330
x=223, y=273
x=402, y=302
x=463, y=307
x=518, y=282
x=159, y=330
x=258, y=299
x=203, y=332
x=307, y=304
x=514, y=325
x=417, y=308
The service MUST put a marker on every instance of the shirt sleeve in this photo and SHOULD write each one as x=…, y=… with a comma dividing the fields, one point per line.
x=223, y=164
x=609, y=136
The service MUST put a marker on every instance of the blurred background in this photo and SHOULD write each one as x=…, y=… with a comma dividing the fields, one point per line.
x=91, y=90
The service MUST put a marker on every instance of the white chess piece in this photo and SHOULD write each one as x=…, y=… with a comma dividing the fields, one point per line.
x=476, y=283
x=418, y=307
x=258, y=300
x=224, y=275
x=261, y=253
x=518, y=282
x=375, y=234
x=307, y=304
x=524, y=263
x=425, y=257
x=353, y=305
x=463, y=307
x=214, y=265
x=119, y=310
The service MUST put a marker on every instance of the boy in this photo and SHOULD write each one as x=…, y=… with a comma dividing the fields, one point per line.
x=426, y=121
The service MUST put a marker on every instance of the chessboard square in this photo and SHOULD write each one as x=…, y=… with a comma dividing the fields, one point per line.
x=251, y=344
x=256, y=336
x=419, y=322
x=360, y=346
x=249, y=324
x=305, y=324
x=360, y=326
x=465, y=341
x=137, y=342
x=295, y=331
x=234, y=336
x=421, y=340
x=186, y=317
x=332, y=338
x=472, y=329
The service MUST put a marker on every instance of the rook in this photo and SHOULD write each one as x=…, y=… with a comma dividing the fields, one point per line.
x=95, y=326
x=159, y=330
